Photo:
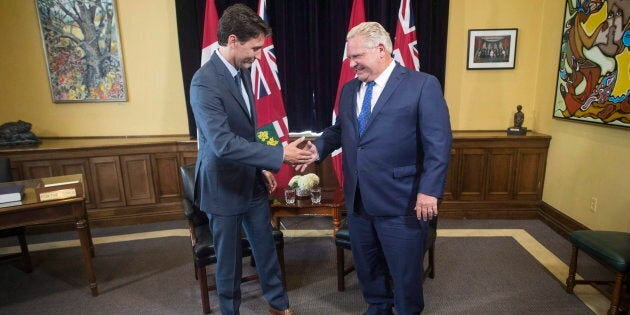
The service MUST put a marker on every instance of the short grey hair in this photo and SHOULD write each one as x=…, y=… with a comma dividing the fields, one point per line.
x=374, y=34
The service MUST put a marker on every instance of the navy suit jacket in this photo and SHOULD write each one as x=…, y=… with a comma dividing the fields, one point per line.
x=404, y=150
x=230, y=160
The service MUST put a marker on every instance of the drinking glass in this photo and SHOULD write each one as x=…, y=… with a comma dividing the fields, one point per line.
x=289, y=196
x=316, y=195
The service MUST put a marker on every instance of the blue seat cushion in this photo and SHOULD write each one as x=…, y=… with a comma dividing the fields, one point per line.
x=612, y=248
x=342, y=238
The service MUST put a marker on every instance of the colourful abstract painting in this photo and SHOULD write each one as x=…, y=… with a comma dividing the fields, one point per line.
x=593, y=83
x=82, y=48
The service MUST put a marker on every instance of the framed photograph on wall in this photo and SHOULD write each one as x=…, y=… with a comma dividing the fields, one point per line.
x=593, y=78
x=82, y=49
x=491, y=49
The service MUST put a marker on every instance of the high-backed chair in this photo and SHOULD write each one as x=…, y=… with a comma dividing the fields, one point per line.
x=342, y=241
x=612, y=249
x=201, y=239
x=27, y=266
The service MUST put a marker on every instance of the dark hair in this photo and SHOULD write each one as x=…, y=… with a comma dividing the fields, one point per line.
x=241, y=21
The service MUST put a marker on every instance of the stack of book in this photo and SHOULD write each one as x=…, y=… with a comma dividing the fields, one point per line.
x=60, y=187
x=11, y=195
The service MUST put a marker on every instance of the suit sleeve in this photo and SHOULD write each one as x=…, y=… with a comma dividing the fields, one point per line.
x=212, y=120
x=435, y=138
x=330, y=140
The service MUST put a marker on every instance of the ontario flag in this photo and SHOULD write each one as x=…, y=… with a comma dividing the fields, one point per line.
x=273, y=128
x=357, y=16
x=405, y=43
x=210, y=41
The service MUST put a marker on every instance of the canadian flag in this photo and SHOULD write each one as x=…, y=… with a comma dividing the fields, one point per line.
x=357, y=16
x=273, y=128
x=210, y=26
x=405, y=43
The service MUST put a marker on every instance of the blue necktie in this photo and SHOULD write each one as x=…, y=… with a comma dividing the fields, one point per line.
x=237, y=80
x=366, y=108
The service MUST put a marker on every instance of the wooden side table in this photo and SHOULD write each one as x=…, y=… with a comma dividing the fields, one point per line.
x=332, y=206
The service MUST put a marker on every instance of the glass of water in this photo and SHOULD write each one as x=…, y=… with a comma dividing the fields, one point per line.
x=289, y=196
x=316, y=195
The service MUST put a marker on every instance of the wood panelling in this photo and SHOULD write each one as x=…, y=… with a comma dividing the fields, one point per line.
x=472, y=174
x=137, y=179
x=492, y=175
x=107, y=181
x=37, y=169
x=530, y=173
x=167, y=183
x=129, y=180
x=78, y=166
x=450, y=189
x=500, y=174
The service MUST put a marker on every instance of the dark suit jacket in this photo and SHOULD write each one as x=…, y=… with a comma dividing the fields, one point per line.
x=405, y=149
x=229, y=159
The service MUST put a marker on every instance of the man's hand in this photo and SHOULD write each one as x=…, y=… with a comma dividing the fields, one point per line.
x=270, y=181
x=426, y=207
x=314, y=157
x=294, y=155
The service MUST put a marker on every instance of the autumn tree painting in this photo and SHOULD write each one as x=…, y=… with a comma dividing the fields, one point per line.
x=83, y=50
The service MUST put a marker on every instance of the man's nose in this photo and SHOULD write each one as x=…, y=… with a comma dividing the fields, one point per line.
x=258, y=54
x=353, y=63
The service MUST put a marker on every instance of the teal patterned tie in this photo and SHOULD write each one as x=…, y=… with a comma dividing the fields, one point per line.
x=366, y=108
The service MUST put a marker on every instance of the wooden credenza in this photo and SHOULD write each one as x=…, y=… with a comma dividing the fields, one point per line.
x=129, y=180
x=136, y=180
x=492, y=175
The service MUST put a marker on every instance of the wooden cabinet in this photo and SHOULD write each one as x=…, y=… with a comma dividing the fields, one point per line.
x=128, y=180
x=136, y=180
x=107, y=183
x=47, y=168
x=492, y=175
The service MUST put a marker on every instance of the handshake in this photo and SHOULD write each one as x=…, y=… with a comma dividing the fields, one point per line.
x=301, y=158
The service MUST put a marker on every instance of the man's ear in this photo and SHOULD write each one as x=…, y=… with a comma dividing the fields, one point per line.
x=232, y=39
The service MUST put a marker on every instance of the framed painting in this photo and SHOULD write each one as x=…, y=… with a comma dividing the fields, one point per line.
x=82, y=49
x=491, y=49
x=593, y=78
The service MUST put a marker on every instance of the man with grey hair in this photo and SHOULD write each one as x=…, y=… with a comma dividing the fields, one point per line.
x=394, y=128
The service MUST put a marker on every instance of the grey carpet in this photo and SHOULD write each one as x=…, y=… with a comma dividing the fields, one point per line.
x=155, y=276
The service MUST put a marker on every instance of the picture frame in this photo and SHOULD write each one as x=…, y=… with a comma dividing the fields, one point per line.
x=591, y=81
x=83, y=50
x=491, y=48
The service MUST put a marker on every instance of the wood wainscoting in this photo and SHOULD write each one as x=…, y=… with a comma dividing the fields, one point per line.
x=132, y=180
x=129, y=180
x=495, y=176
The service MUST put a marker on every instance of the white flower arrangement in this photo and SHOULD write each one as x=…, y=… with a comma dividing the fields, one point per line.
x=308, y=181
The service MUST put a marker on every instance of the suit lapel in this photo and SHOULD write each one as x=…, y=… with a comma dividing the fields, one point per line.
x=392, y=83
x=353, y=106
x=232, y=85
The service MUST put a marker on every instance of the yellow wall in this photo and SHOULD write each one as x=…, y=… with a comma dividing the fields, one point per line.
x=156, y=103
x=584, y=161
x=487, y=99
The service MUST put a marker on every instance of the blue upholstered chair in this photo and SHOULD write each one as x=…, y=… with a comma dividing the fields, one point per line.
x=201, y=239
x=5, y=176
x=612, y=249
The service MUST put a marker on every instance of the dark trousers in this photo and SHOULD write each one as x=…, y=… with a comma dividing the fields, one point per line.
x=227, y=231
x=388, y=246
